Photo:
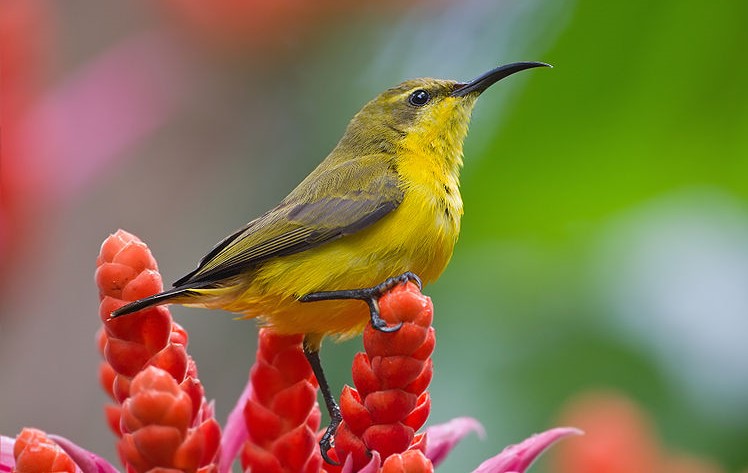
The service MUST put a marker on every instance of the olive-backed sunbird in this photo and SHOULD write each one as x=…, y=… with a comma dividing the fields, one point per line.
x=385, y=202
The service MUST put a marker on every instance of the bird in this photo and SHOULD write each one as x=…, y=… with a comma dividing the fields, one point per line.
x=383, y=207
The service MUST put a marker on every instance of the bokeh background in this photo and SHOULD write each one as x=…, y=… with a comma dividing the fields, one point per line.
x=605, y=238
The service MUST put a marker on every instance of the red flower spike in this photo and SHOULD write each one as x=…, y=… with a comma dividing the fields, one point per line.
x=35, y=453
x=281, y=412
x=165, y=421
x=390, y=402
x=159, y=428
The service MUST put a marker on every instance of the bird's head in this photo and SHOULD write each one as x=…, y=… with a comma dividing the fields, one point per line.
x=426, y=113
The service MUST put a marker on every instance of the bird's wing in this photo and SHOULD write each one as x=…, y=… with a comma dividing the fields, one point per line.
x=327, y=205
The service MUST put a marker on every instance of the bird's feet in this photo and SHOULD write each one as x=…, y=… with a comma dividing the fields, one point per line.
x=370, y=295
x=328, y=438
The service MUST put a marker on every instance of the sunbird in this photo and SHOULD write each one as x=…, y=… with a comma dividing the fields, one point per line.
x=383, y=207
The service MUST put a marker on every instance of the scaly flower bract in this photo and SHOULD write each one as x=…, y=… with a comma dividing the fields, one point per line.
x=164, y=426
x=281, y=413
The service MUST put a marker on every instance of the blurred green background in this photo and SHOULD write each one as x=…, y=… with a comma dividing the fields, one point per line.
x=605, y=236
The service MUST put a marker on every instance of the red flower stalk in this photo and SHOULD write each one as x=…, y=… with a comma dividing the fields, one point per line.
x=126, y=271
x=390, y=402
x=159, y=426
x=281, y=413
x=34, y=452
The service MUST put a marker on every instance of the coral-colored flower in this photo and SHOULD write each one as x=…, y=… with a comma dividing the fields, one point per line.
x=148, y=346
x=275, y=420
x=35, y=453
x=620, y=438
x=160, y=429
x=390, y=402
x=280, y=414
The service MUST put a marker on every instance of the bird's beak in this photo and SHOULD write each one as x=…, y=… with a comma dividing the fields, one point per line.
x=484, y=81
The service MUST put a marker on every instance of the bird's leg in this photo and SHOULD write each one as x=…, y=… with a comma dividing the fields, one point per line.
x=370, y=295
x=326, y=443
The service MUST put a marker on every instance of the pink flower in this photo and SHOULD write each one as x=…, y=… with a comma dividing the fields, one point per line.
x=34, y=452
x=518, y=458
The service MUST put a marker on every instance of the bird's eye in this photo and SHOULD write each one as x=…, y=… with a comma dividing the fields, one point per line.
x=419, y=98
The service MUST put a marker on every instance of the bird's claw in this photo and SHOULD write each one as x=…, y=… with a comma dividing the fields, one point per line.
x=327, y=442
x=378, y=323
x=370, y=295
x=378, y=291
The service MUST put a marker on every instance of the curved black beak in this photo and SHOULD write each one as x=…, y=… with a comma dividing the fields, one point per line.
x=484, y=81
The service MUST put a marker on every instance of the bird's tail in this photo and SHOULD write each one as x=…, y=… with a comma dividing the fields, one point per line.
x=161, y=298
